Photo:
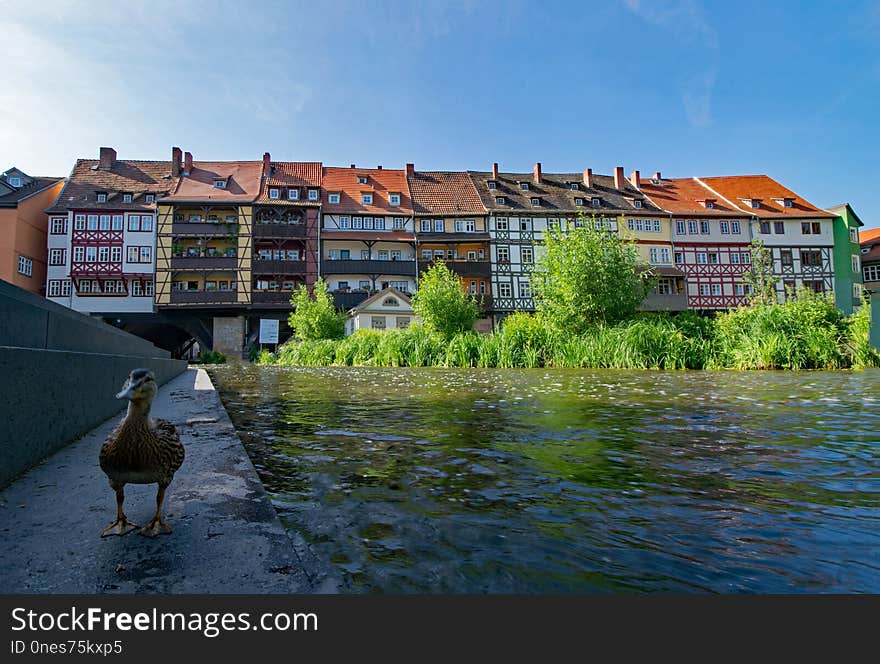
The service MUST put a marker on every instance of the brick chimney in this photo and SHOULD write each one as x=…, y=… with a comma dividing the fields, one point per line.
x=657, y=176
x=267, y=164
x=379, y=167
x=495, y=171
x=410, y=170
x=107, y=158
x=353, y=166
x=588, y=178
x=635, y=178
x=187, y=162
x=176, y=158
x=538, y=172
x=618, y=177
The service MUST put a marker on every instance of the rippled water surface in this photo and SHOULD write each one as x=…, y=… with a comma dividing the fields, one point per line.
x=433, y=480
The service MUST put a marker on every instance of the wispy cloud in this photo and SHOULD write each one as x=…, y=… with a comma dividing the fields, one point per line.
x=687, y=22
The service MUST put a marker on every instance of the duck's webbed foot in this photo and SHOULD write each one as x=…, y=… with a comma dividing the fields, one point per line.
x=156, y=526
x=121, y=526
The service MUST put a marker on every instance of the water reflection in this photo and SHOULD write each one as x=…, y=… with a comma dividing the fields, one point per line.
x=572, y=481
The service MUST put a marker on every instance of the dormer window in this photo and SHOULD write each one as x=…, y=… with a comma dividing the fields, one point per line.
x=492, y=184
x=333, y=199
x=756, y=203
x=293, y=194
x=150, y=198
x=362, y=179
x=274, y=193
x=394, y=199
x=578, y=201
x=126, y=198
x=536, y=201
x=14, y=181
x=500, y=200
x=637, y=203
x=313, y=194
x=787, y=202
x=219, y=183
x=102, y=197
x=524, y=186
x=710, y=205
x=366, y=199
x=596, y=202
x=574, y=186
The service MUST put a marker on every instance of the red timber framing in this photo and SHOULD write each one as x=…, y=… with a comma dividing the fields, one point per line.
x=725, y=273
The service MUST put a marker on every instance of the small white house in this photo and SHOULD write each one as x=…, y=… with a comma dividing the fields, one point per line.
x=389, y=309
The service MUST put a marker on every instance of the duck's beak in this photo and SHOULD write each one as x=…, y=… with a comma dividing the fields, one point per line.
x=127, y=391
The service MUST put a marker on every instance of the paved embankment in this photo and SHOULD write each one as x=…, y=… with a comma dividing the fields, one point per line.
x=227, y=537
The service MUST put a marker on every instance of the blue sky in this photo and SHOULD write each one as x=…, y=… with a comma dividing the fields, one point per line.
x=790, y=89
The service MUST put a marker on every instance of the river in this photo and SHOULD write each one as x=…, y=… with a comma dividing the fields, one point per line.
x=527, y=481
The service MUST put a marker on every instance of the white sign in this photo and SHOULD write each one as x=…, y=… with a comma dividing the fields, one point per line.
x=268, y=331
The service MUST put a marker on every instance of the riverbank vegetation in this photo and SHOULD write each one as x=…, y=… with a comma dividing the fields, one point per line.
x=587, y=318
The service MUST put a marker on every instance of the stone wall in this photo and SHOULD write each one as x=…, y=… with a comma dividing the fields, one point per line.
x=229, y=335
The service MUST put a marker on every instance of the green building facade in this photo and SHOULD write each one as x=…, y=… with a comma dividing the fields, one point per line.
x=847, y=268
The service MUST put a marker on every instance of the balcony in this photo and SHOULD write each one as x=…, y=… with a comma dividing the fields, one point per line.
x=272, y=298
x=664, y=302
x=346, y=266
x=345, y=300
x=219, y=228
x=203, y=297
x=204, y=262
x=463, y=268
x=269, y=231
x=278, y=267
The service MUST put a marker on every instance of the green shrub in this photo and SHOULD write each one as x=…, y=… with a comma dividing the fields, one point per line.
x=211, y=357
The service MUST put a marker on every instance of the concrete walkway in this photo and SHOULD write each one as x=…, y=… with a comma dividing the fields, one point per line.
x=227, y=537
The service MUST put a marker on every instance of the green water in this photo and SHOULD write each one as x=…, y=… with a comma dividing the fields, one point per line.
x=433, y=480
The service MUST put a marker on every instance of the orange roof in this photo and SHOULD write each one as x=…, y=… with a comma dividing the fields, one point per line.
x=686, y=196
x=242, y=182
x=301, y=174
x=869, y=236
x=740, y=189
x=437, y=192
x=379, y=181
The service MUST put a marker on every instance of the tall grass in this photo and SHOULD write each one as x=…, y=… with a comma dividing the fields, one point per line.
x=805, y=333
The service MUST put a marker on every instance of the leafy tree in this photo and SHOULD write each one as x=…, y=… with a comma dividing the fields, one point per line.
x=315, y=317
x=761, y=276
x=588, y=275
x=442, y=302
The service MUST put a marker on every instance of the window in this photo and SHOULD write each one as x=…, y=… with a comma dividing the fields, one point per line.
x=105, y=222
x=57, y=256
x=426, y=225
x=274, y=193
x=525, y=224
x=364, y=285
x=394, y=199
x=713, y=259
x=574, y=186
x=524, y=186
x=426, y=254
x=117, y=222
x=313, y=194
x=390, y=302
x=871, y=273
x=439, y=253
x=787, y=202
x=664, y=254
x=704, y=289
x=91, y=254
x=679, y=228
x=811, y=228
x=702, y=258
x=344, y=222
x=368, y=223
x=596, y=202
x=78, y=254
x=746, y=257
x=710, y=205
x=79, y=222
x=333, y=199
x=704, y=228
x=527, y=254
x=146, y=254
x=219, y=184
x=135, y=288
x=536, y=202
x=438, y=225
x=500, y=200
x=504, y=289
x=85, y=286
x=756, y=203
x=357, y=222
x=150, y=198
x=855, y=263
x=366, y=199
x=126, y=198
x=785, y=257
x=402, y=322
x=54, y=288
x=103, y=254
x=402, y=286
x=472, y=255
x=765, y=227
x=25, y=266
x=779, y=227
x=578, y=201
x=503, y=254
x=14, y=181
x=115, y=254
x=65, y=287
x=134, y=222
x=637, y=203
x=739, y=289
x=492, y=184
x=692, y=227
x=146, y=222
x=293, y=195
x=383, y=254
x=59, y=225
x=102, y=198
x=501, y=224
x=525, y=288
x=465, y=226
x=725, y=227
x=815, y=285
x=451, y=254
x=734, y=226
x=679, y=257
x=811, y=258
x=399, y=223
x=132, y=254
x=734, y=258
x=362, y=179
x=93, y=222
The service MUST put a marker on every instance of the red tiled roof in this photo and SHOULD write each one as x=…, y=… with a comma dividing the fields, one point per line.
x=286, y=174
x=243, y=182
x=444, y=192
x=870, y=236
x=686, y=196
x=126, y=176
x=738, y=189
x=380, y=182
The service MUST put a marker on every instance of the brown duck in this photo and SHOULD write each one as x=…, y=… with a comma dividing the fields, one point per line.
x=141, y=450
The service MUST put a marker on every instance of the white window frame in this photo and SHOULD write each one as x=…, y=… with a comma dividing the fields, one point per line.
x=102, y=198
x=313, y=194
x=25, y=266
x=333, y=199
x=394, y=200
x=366, y=199
x=274, y=193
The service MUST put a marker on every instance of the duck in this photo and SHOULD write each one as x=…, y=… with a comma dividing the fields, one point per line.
x=140, y=450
